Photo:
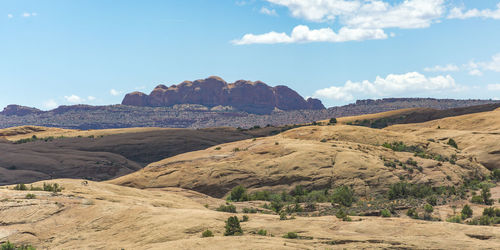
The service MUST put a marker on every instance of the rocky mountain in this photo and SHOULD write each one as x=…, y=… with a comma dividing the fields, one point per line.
x=19, y=110
x=252, y=97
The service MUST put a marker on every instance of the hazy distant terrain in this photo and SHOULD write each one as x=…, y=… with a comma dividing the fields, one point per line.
x=197, y=116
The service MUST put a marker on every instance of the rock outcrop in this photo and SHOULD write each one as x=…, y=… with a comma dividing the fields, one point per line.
x=19, y=110
x=253, y=97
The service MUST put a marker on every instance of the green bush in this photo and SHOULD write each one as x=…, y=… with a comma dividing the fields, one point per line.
x=495, y=174
x=233, y=226
x=486, y=195
x=262, y=232
x=432, y=200
x=9, y=246
x=276, y=205
x=385, y=213
x=491, y=212
x=52, y=187
x=411, y=212
x=343, y=195
x=207, y=233
x=291, y=235
x=428, y=208
x=484, y=220
x=477, y=199
x=341, y=214
x=249, y=210
x=227, y=208
x=238, y=193
x=455, y=219
x=452, y=143
x=21, y=187
x=466, y=212
x=30, y=196
x=332, y=121
x=245, y=218
x=283, y=216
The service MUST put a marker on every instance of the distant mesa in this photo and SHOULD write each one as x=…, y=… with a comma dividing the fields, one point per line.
x=19, y=110
x=252, y=97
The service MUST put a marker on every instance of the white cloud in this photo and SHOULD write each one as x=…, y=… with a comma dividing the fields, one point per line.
x=115, y=92
x=374, y=14
x=91, y=98
x=439, y=68
x=494, y=87
x=74, y=99
x=50, y=104
x=459, y=13
x=10, y=16
x=26, y=14
x=391, y=85
x=303, y=34
x=475, y=72
x=269, y=12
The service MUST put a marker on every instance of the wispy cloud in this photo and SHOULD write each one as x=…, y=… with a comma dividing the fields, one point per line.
x=28, y=14
x=494, y=87
x=115, y=92
x=391, y=85
x=439, y=68
x=10, y=16
x=269, y=12
x=91, y=98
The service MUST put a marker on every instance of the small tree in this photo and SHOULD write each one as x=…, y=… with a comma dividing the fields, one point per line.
x=239, y=193
x=486, y=195
x=333, y=121
x=428, y=208
x=466, y=212
x=343, y=195
x=385, y=213
x=452, y=143
x=233, y=226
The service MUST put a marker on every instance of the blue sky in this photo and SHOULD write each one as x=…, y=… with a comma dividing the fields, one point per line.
x=83, y=51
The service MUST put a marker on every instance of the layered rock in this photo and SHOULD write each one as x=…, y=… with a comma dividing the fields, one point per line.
x=253, y=97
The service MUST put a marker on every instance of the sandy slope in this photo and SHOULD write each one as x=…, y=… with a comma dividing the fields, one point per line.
x=105, y=216
x=476, y=134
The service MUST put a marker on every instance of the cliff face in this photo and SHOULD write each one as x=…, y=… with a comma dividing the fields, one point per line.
x=252, y=97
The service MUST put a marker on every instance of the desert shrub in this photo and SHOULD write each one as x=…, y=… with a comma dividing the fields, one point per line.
x=452, y=143
x=401, y=147
x=245, y=218
x=455, y=219
x=390, y=164
x=432, y=200
x=466, y=212
x=341, y=213
x=491, y=212
x=249, y=210
x=484, y=220
x=236, y=149
x=276, y=205
x=411, y=162
x=291, y=235
x=411, y=212
x=260, y=195
x=332, y=121
x=385, y=213
x=30, y=196
x=207, y=233
x=20, y=187
x=477, y=199
x=217, y=148
x=233, y=226
x=343, y=195
x=428, y=208
x=283, y=215
x=9, y=246
x=486, y=195
x=52, y=187
x=405, y=190
x=495, y=174
x=238, y=193
x=262, y=232
x=230, y=208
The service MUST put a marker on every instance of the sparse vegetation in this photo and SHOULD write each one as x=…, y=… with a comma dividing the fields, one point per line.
x=229, y=208
x=245, y=218
x=233, y=227
x=466, y=212
x=452, y=143
x=332, y=121
x=343, y=195
x=30, y=196
x=20, y=187
x=262, y=232
x=291, y=235
x=238, y=193
x=9, y=246
x=207, y=233
x=385, y=213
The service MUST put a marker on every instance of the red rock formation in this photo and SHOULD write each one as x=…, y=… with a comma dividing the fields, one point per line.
x=252, y=97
